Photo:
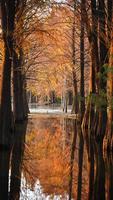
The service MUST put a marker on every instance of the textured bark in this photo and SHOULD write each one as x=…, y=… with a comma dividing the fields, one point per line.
x=96, y=34
x=82, y=92
x=19, y=89
x=7, y=19
x=92, y=37
x=109, y=129
x=103, y=59
x=109, y=19
x=91, y=31
x=26, y=108
x=75, y=107
x=103, y=51
x=110, y=96
x=8, y=13
x=18, y=106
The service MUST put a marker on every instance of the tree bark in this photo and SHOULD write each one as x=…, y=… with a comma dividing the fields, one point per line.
x=75, y=107
x=7, y=19
x=19, y=90
x=110, y=96
x=82, y=92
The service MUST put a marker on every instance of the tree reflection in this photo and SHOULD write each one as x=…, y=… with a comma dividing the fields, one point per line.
x=16, y=161
x=73, y=146
x=49, y=163
x=80, y=164
x=91, y=168
x=56, y=161
x=109, y=176
x=4, y=171
x=99, y=188
x=61, y=166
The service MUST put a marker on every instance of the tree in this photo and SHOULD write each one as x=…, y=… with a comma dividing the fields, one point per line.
x=8, y=17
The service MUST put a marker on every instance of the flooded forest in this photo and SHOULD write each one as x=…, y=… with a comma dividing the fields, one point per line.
x=56, y=99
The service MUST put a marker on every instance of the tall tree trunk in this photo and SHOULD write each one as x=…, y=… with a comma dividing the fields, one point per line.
x=103, y=60
x=92, y=37
x=109, y=129
x=82, y=92
x=19, y=89
x=75, y=106
x=7, y=19
x=8, y=14
x=18, y=106
x=110, y=97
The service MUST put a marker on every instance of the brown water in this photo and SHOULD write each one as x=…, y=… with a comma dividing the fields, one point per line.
x=59, y=162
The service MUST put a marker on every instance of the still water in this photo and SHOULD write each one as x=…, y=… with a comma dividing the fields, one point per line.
x=58, y=162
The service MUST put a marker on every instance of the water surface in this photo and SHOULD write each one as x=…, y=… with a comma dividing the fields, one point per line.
x=61, y=163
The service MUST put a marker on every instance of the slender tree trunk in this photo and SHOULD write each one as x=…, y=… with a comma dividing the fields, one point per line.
x=75, y=106
x=82, y=92
x=25, y=100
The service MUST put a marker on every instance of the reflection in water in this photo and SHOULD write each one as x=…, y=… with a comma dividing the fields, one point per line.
x=11, y=161
x=73, y=146
x=51, y=155
x=16, y=161
x=50, y=161
x=91, y=168
x=80, y=164
x=63, y=165
x=56, y=161
x=4, y=171
x=109, y=176
x=99, y=187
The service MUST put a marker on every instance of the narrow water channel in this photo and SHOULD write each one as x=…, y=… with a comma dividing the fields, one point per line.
x=56, y=161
